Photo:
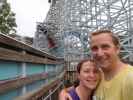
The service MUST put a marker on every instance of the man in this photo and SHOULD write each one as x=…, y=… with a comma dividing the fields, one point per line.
x=117, y=81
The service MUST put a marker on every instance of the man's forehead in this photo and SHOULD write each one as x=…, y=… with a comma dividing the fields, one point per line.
x=105, y=34
x=101, y=37
x=101, y=42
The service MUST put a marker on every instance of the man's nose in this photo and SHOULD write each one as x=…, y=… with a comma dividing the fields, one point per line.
x=99, y=52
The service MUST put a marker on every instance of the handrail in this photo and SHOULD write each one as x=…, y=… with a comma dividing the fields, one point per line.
x=52, y=92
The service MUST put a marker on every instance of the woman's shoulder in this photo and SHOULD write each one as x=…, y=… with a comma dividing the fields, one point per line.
x=73, y=94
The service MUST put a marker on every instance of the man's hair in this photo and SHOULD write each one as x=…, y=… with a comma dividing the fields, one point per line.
x=115, y=39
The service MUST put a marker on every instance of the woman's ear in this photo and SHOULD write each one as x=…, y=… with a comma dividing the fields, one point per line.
x=78, y=76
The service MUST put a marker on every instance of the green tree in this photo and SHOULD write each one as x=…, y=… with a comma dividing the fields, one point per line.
x=7, y=19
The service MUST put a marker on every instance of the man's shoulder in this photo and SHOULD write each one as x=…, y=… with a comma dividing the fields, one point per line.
x=130, y=65
x=130, y=68
x=129, y=76
x=127, y=87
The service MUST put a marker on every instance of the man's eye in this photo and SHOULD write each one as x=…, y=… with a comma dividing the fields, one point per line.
x=94, y=48
x=105, y=46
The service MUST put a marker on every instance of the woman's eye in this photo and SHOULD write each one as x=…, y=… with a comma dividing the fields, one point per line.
x=86, y=71
x=96, y=71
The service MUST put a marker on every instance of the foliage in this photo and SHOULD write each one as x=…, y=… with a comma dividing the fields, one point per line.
x=7, y=19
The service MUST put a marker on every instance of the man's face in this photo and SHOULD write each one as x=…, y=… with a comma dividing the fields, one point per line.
x=104, y=51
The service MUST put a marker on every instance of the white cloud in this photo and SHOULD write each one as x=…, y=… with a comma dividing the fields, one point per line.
x=28, y=12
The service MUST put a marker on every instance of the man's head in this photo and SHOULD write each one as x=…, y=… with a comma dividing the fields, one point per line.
x=105, y=48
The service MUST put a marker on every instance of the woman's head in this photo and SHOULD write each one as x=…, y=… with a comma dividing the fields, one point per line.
x=88, y=74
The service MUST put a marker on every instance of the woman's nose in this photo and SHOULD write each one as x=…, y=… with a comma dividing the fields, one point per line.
x=91, y=74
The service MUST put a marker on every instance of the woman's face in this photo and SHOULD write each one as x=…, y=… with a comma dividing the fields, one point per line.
x=89, y=75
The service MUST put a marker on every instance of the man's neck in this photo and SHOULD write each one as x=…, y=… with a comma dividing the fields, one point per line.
x=115, y=69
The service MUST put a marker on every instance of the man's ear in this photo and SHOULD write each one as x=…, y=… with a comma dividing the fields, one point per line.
x=118, y=49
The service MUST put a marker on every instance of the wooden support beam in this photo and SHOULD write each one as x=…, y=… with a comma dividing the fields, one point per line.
x=15, y=44
x=6, y=54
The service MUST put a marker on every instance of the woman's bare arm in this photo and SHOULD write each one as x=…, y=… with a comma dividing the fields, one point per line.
x=64, y=95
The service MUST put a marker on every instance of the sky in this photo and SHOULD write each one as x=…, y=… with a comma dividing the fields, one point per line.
x=28, y=12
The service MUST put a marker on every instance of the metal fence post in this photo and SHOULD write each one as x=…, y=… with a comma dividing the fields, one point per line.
x=23, y=73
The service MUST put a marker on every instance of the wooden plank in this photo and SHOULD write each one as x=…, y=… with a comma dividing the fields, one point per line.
x=8, y=41
x=16, y=83
x=6, y=54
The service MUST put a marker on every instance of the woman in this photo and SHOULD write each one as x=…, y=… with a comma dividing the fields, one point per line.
x=89, y=77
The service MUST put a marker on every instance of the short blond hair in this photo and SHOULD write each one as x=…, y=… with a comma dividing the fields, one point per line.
x=115, y=39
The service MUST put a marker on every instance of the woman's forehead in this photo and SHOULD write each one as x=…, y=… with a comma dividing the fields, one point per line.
x=88, y=63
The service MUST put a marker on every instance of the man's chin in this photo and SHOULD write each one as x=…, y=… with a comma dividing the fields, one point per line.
x=92, y=87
